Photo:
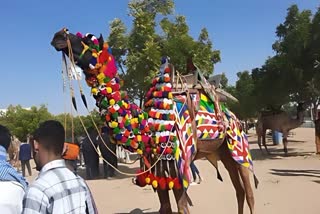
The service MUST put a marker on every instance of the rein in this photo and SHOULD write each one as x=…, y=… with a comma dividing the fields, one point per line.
x=150, y=167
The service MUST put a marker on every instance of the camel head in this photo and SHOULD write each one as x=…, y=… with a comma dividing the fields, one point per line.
x=302, y=106
x=82, y=46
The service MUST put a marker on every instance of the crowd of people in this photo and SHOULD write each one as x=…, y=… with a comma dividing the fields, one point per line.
x=58, y=188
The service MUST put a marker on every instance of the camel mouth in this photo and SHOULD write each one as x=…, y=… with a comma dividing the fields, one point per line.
x=58, y=45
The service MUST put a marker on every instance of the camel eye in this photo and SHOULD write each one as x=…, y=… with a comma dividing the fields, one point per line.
x=66, y=32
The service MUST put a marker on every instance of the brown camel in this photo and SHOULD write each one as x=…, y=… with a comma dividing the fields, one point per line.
x=81, y=48
x=279, y=121
x=13, y=152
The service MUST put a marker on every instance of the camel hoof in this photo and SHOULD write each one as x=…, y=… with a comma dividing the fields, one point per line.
x=166, y=210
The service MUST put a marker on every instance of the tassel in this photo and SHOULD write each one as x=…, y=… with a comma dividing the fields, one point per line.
x=74, y=103
x=256, y=181
x=84, y=100
x=219, y=176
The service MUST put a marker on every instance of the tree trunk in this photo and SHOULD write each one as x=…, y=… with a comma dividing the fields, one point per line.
x=317, y=132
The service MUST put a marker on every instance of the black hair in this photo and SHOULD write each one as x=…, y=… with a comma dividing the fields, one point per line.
x=5, y=137
x=50, y=134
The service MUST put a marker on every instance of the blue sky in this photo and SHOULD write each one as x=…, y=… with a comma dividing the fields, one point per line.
x=31, y=69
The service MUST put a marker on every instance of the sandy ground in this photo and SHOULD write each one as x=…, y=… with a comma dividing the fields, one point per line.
x=287, y=184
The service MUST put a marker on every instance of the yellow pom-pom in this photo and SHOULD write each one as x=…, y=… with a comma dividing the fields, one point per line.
x=139, y=152
x=100, y=78
x=114, y=124
x=94, y=91
x=171, y=184
x=139, y=138
x=154, y=150
x=170, y=95
x=112, y=102
x=155, y=184
x=109, y=90
x=148, y=180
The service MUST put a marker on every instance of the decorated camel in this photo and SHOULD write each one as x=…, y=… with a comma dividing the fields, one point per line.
x=183, y=121
x=278, y=121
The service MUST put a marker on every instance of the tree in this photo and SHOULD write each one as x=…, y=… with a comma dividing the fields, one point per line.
x=117, y=40
x=22, y=122
x=180, y=46
x=138, y=52
x=244, y=92
x=271, y=84
x=293, y=71
x=224, y=81
x=79, y=129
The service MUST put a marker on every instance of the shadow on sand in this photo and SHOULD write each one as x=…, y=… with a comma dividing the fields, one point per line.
x=292, y=172
x=139, y=211
x=276, y=151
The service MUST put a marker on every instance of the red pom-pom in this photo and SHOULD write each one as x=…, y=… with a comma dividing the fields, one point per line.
x=141, y=179
x=163, y=183
x=177, y=184
x=168, y=150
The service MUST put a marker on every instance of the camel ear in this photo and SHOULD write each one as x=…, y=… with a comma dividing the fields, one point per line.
x=101, y=41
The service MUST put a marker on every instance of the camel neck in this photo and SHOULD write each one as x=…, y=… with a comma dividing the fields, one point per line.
x=295, y=123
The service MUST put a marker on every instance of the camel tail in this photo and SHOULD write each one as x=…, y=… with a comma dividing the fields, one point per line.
x=256, y=181
x=219, y=175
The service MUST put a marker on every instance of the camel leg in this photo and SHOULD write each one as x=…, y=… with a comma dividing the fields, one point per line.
x=264, y=140
x=259, y=143
x=245, y=176
x=182, y=201
x=165, y=206
x=232, y=168
x=285, y=144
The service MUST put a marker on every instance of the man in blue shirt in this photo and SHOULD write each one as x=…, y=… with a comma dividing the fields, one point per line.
x=12, y=184
x=24, y=157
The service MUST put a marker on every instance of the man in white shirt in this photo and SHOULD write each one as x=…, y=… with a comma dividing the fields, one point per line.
x=56, y=190
x=12, y=184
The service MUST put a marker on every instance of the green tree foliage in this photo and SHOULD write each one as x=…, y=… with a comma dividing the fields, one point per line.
x=78, y=128
x=244, y=92
x=22, y=122
x=291, y=75
x=118, y=41
x=271, y=85
x=224, y=81
x=138, y=52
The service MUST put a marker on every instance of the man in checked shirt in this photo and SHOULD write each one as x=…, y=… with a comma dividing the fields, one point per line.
x=56, y=190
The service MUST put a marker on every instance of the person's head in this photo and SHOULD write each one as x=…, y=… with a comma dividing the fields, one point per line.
x=5, y=137
x=48, y=142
